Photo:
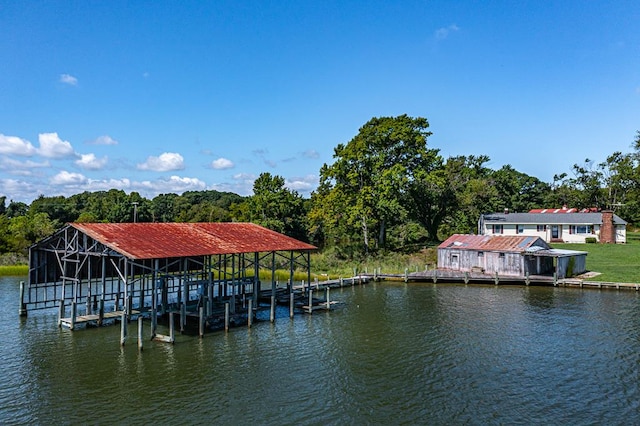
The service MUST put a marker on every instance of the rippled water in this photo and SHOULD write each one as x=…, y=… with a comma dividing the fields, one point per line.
x=392, y=354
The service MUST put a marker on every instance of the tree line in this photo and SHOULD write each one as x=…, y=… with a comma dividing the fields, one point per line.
x=386, y=190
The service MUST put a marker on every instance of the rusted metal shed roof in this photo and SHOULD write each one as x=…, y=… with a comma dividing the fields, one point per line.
x=505, y=243
x=165, y=240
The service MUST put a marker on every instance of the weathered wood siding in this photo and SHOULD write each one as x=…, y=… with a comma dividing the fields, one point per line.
x=571, y=266
x=489, y=262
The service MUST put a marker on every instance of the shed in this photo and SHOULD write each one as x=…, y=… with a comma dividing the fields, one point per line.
x=516, y=256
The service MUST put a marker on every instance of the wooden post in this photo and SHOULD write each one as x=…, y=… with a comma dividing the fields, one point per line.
x=250, y=312
x=328, y=301
x=406, y=274
x=23, y=307
x=272, y=310
x=201, y=321
x=183, y=316
x=435, y=276
x=291, y=305
x=123, y=328
x=466, y=277
x=101, y=312
x=74, y=310
x=226, y=316
x=60, y=312
x=496, y=279
x=310, y=301
x=526, y=279
x=172, y=328
x=140, y=333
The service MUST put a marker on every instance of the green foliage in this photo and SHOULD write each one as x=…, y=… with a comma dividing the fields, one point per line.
x=590, y=240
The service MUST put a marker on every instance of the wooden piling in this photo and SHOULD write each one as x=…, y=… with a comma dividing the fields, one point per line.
x=496, y=279
x=201, y=321
x=123, y=328
x=291, y=305
x=466, y=277
x=272, y=311
x=328, y=301
x=226, y=316
x=74, y=311
x=183, y=316
x=60, y=312
x=23, y=307
x=310, y=301
x=140, y=333
x=172, y=328
x=101, y=312
x=250, y=312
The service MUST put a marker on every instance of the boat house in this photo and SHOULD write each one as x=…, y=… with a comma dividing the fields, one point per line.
x=104, y=269
x=516, y=256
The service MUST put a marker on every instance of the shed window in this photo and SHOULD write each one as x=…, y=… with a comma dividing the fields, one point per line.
x=501, y=255
x=480, y=254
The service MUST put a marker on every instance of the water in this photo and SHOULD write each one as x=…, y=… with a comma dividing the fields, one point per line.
x=393, y=354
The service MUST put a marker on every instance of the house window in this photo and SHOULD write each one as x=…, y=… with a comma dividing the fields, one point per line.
x=519, y=229
x=541, y=228
x=581, y=229
x=497, y=229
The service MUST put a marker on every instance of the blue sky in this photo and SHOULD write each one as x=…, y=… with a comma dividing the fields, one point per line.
x=170, y=96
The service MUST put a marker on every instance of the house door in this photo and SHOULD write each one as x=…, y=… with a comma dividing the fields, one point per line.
x=555, y=232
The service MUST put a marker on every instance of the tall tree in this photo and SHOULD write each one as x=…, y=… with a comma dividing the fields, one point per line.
x=370, y=176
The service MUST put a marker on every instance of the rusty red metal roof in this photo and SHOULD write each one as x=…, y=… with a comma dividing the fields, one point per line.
x=164, y=240
x=506, y=243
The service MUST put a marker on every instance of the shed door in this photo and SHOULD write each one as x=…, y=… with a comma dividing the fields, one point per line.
x=455, y=261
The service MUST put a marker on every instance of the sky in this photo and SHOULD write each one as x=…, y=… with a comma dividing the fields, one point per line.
x=173, y=96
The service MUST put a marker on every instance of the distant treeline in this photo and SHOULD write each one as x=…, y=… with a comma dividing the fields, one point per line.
x=386, y=190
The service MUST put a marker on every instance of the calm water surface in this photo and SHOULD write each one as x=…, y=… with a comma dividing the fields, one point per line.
x=392, y=354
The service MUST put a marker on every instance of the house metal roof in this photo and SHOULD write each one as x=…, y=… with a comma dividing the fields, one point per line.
x=503, y=243
x=166, y=240
x=549, y=218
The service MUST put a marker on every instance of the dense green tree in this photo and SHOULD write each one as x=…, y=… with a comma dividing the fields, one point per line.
x=274, y=206
x=368, y=181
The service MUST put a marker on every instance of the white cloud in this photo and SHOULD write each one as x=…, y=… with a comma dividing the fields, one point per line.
x=103, y=140
x=311, y=153
x=90, y=162
x=107, y=184
x=51, y=146
x=66, y=178
x=442, y=33
x=222, y=163
x=165, y=162
x=23, y=168
x=68, y=79
x=302, y=184
x=13, y=145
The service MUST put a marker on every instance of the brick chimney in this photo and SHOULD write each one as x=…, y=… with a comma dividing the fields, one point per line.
x=607, y=228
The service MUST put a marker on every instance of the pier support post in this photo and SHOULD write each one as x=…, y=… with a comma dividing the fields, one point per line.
x=526, y=279
x=435, y=276
x=250, y=312
x=172, y=328
x=406, y=274
x=74, y=311
x=272, y=310
x=291, y=305
x=201, y=321
x=183, y=316
x=328, y=301
x=496, y=279
x=555, y=278
x=23, y=307
x=123, y=328
x=466, y=277
x=140, y=333
x=60, y=312
x=226, y=316
x=310, y=301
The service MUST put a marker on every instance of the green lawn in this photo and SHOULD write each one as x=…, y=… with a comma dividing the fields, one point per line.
x=616, y=262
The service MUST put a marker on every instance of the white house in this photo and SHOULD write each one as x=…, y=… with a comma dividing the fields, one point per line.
x=553, y=226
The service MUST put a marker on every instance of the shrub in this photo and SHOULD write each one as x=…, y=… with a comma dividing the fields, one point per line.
x=590, y=240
